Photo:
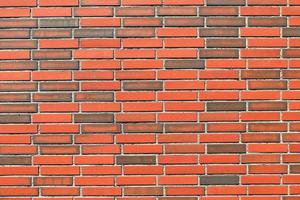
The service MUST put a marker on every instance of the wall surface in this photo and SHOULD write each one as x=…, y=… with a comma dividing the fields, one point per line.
x=149, y=99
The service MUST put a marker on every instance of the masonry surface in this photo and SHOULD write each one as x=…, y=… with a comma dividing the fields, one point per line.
x=149, y=99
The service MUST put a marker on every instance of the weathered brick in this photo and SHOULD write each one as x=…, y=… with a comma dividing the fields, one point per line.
x=137, y=160
x=226, y=148
x=219, y=180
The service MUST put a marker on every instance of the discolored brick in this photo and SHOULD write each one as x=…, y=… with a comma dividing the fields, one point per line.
x=267, y=106
x=93, y=33
x=15, y=119
x=15, y=160
x=226, y=43
x=18, y=87
x=184, y=128
x=94, y=96
x=18, y=23
x=218, y=32
x=94, y=118
x=52, y=97
x=226, y=106
x=267, y=22
x=175, y=11
x=215, y=11
x=225, y=22
x=212, y=53
x=51, y=33
x=135, y=32
x=59, y=65
x=18, y=108
x=143, y=191
x=142, y=128
x=136, y=160
x=294, y=169
x=189, y=22
x=226, y=148
x=146, y=85
x=219, y=180
x=226, y=3
x=50, y=54
x=184, y=64
x=59, y=86
x=14, y=97
x=291, y=32
x=58, y=23
x=19, y=65
x=260, y=74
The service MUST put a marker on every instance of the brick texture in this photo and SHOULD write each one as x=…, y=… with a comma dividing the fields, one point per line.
x=149, y=100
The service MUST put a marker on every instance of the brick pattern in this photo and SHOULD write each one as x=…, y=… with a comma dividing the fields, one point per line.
x=149, y=99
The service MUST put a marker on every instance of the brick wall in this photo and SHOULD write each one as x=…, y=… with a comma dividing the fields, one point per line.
x=149, y=100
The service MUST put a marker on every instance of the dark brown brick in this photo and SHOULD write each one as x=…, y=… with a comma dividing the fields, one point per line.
x=7, y=119
x=218, y=32
x=184, y=64
x=291, y=53
x=18, y=23
x=184, y=22
x=295, y=169
x=51, y=33
x=136, y=32
x=58, y=23
x=59, y=65
x=226, y=106
x=135, y=11
x=94, y=96
x=143, y=85
x=267, y=106
x=143, y=191
x=101, y=128
x=143, y=128
x=184, y=128
x=19, y=65
x=18, y=44
x=226, y=43
x=51, y=54
x=268, y=22
x=15, y=160
x=55, y=97
x=13, y=34
x=291, y=32
x=260, y=74
x=136, y=160
x=94, y=118
x=226, y=148
x=219, y=180
x=18, y=87
x=218, y=11
x=267, y=85
x=59, y=86
x=18, y=108
x=177, y=11
x=14, y=97
x=225, y=22
x=219, y=53
x=93, y=33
